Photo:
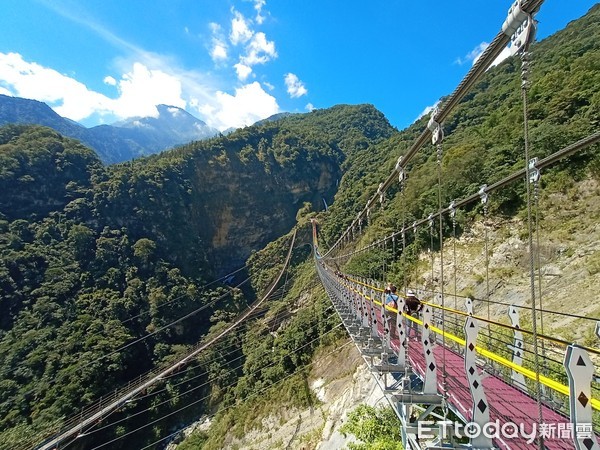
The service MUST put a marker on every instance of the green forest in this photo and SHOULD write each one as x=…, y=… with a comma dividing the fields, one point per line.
x=98, y=263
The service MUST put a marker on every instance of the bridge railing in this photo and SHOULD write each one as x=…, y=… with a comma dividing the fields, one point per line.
x=497, y=348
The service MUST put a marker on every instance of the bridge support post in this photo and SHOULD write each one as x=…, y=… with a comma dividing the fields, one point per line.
x=430, y=376
x=580, y=371
x=373, y=310
x=480, y=408
x=517, y=348
x=401, y=330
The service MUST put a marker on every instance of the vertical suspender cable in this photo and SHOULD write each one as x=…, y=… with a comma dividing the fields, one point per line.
x=539, y=265
x=441, y=237
x=483, y=195
x=524, y=84
x=453, y=215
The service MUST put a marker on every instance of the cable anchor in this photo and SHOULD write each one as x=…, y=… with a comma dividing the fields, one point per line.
x=519, y=26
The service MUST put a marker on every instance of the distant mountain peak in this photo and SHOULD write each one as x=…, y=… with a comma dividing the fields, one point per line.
x=121, y=141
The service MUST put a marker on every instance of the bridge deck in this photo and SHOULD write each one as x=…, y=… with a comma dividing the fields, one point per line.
x=507, y=403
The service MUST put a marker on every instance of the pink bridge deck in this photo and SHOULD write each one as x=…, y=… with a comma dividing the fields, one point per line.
x=507, y=403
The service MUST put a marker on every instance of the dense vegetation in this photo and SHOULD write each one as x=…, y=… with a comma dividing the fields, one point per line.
x=375, y=428
x=94, y=258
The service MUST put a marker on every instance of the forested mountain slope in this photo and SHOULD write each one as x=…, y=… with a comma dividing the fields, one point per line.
x=93, y=257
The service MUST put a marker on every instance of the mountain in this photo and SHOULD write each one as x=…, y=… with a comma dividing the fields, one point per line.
x=119, y=142
x=173, y=125
x=93, y=256
x=274, y=118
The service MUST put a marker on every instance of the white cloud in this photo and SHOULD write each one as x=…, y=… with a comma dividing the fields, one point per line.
x=145, y=79
x=309, y=107
x=142, y=89
x=68, y=96
x=295, y=87
x=473, y=55
x=240, y=30
x=259, y=50
x=218, y=51
x=505, y=53
x=258, y=6
x=242, y=71
x=249, y=104
x=428, y=110
x=476, y=53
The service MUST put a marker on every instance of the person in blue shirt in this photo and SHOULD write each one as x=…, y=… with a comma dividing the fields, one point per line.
x=391, y=298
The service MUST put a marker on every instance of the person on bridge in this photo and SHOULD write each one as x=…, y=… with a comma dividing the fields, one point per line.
x=412, y=305
x=391, y=298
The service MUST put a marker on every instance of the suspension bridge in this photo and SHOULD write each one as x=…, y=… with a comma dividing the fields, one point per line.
x=437, y=369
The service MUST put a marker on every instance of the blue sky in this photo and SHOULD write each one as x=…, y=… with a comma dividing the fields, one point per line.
x=232, y=62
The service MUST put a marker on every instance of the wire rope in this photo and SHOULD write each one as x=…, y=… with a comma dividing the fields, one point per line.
x=524, y=85
x=198, y=401
x=181, y=394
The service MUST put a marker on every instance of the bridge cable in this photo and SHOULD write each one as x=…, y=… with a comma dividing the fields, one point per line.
x=119, y=399
x=90, y=431
x=493, y=50
x=266, y=388
x=438, y=137
x=204, y=398
x=453, y=216
x=535, y=178
x=525, y=58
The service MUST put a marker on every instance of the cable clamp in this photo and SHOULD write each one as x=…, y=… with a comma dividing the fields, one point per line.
x=414, y=227
x=452, y=208
x=515, y=18
x=483, y=195
x=430, y=218
x=437, y=133
x=381, y=193
x=398, y=168
x=520, y=27
x=534, y=171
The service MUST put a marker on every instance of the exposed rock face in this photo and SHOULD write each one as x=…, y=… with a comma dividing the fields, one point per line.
x=341, y=382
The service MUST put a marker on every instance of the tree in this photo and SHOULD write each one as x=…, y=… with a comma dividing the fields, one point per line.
x=377, y=428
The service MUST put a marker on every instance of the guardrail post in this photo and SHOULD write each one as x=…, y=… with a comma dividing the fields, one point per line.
x=580, y=371
x=401, y=330
x=480, y=408
x=385, y=321
x=430, y=382
x=517, y=348
x=373, y=319
x=364, y=313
